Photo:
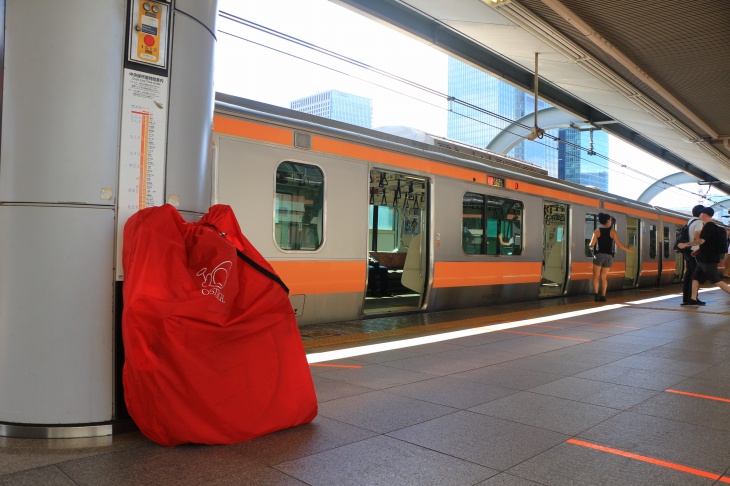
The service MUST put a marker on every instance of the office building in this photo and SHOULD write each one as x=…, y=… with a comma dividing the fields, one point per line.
x=578, y=165
x=337, y=105
x=481, y=106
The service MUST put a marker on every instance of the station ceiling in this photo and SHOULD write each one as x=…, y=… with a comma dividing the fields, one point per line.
x=655, y=73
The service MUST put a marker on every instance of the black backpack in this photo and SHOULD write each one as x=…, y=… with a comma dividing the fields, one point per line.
x=721, y=241
x=682, y=236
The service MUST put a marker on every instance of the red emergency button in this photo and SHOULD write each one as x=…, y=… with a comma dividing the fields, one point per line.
x=149, y=40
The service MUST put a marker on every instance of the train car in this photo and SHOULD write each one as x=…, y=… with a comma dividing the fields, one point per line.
x=335, y=208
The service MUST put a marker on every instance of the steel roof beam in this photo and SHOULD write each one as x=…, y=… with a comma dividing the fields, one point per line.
x=397, y=14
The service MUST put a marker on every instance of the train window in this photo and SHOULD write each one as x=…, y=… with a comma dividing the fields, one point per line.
x=491, y=226
x=591, y=225
x=652, y=241
x=299, y=207
x=472, y=224
x=386, y=218
x=666, y=241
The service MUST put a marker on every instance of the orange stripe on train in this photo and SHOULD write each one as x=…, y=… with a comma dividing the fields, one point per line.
x=356, y=151
x=552, y=193
x=649, y=269
x=256, y=131
x=630, y=211
x=321, y=277
x=469, y=274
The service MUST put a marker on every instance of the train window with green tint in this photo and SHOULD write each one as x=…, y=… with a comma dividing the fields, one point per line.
x=591, y=225
x=491, y=226
x=504, y=226
x=299, y=207
x=652, y=241
x=473, y=224
x=666, y=242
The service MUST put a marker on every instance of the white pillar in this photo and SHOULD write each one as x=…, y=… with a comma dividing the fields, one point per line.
x=62, y=116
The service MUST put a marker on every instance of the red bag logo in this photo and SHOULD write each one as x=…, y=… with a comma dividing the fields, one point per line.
x=215, y=280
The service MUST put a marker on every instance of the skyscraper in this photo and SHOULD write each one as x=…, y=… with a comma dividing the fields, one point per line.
x=579, y=166
x=473, y=92
x=336, y=105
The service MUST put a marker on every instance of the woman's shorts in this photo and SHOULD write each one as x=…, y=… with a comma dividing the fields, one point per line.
x=603, y=260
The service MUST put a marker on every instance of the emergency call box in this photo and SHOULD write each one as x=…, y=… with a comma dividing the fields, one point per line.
x=149, y=32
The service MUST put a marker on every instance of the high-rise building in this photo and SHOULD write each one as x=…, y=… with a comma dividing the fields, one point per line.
x=580, y=166
x=473, y=92
x=336, y=105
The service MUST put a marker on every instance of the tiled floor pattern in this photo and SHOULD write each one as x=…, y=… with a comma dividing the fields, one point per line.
x=581, y=400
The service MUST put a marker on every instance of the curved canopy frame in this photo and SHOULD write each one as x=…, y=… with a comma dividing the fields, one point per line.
x=515, y=133
x=720, y=205
x=665, y=183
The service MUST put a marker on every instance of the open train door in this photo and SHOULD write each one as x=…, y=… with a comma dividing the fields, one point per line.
x=555, y=249
x=398, y=253
x=633, y=262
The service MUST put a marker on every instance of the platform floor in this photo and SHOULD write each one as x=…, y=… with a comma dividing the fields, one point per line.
x=632, y=391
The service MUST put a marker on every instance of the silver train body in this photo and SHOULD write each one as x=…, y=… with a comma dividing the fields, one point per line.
x=449, y=226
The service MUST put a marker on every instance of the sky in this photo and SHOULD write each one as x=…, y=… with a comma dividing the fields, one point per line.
x=328, y=25
x=263, y=67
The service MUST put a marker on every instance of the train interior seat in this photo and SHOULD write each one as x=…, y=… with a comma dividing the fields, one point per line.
x=394, y=262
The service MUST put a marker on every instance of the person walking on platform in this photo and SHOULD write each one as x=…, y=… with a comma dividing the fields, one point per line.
x=708, y=256
x=694, y=225
x=604, y=236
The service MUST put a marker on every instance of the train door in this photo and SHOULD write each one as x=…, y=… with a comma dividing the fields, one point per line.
x=398, y=250
x=678, y=261
x=555, y=249
x=632, y=258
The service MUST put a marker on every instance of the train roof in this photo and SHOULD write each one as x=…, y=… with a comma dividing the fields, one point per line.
x=444, y=150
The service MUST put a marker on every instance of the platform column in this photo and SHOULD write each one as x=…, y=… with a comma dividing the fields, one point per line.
x=61, y=160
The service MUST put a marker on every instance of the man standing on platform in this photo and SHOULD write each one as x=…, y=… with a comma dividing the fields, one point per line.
x=690, y=262
x=708, y=256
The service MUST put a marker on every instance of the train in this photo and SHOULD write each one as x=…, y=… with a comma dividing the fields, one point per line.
x=454, y=226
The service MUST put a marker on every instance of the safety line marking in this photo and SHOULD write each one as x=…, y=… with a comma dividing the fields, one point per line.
x=651, y=460
x=437, y=338
x=334, y=365
x=697, y=395
x=545, y=335
x=551, y=327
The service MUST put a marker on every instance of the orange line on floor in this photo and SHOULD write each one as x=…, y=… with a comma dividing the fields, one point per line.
x=651, y=460
x=551, y=327
x=335, y=366
x=709, y=397
x=545, y=335
x=604, y=325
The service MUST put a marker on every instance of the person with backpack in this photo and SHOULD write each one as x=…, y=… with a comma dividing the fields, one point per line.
x=712, y=243
x=693, y=228
x=603, y=239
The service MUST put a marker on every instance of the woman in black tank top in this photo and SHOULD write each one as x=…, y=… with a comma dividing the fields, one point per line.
x=602, y=242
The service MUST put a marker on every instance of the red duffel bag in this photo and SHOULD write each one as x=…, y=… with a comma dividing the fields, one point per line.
x=212, y=349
